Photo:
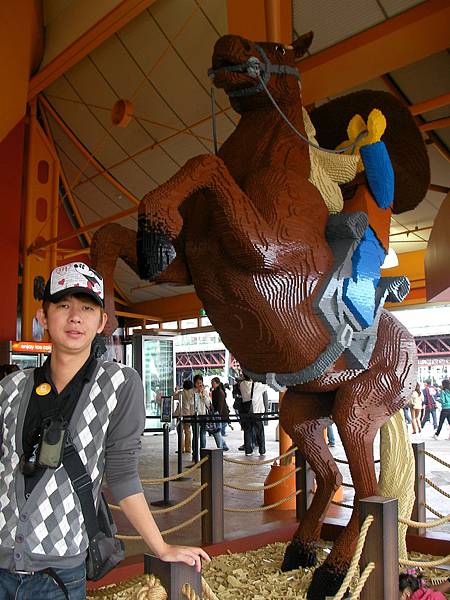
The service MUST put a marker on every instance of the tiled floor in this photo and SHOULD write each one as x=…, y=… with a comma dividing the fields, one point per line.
x=236, y=523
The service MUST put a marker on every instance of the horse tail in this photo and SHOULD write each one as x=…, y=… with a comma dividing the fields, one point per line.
x=397, y=471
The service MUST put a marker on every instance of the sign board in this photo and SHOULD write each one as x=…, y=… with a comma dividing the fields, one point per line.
x=166, y=409
x=31, y=347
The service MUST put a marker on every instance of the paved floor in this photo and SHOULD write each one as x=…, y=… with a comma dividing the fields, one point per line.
x=151, y=467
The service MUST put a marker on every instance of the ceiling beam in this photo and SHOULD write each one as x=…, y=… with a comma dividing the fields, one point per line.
x=431, y=104
x=108, y=25
x=436, y=124
x=398, y=41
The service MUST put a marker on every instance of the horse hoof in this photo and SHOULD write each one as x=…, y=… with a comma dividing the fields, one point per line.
x=299, y=555
x=155, y=251
x=325, y=582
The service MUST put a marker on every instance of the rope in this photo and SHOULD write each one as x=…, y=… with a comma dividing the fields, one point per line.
x=427, y=524
x=261, y=487
x=435, y=512
x=134, y=538
x=267, y=461
x=207, y=592
x=436, y=458
x=189, y=592
x=177, y=475
x=261, y=508
x=343, y=505
x=436, y=487
x=159, y=511
x=355, y=559
x=151, y=589
x=362, y=580
x=342, y=461
x=422, y=563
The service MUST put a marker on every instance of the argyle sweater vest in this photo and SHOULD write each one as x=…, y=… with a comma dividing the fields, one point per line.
x=48, y=527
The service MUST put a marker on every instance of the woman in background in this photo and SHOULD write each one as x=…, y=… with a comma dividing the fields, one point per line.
x=415, y=407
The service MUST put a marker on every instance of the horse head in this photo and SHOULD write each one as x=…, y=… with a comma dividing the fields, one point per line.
x=243, y=68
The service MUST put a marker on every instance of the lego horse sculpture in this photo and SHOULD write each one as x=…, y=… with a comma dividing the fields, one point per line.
x=254, y=236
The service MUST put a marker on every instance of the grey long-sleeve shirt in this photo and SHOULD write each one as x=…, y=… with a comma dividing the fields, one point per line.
x=47, y=529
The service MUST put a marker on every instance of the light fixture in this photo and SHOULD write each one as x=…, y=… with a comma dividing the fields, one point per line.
x=391, y=259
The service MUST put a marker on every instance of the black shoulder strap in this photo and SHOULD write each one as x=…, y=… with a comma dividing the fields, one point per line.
x=82, y=484
x=251, y=393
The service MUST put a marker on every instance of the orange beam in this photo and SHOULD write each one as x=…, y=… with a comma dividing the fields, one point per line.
x=247, y=19
x=171, y=309
x=434, y=187
x=278, y=21
x=112, y=22
x=399, y=41
x=68, y=236
x=431, y=104
x=436, y=124
x=76, y=142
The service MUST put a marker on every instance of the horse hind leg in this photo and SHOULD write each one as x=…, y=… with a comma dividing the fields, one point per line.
x=110, y=242
x=304, y=417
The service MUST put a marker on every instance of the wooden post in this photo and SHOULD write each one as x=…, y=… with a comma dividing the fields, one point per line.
x=173, y=576
x=212, y=496
x=381, y=547
x=304, y=480
x=419, y=512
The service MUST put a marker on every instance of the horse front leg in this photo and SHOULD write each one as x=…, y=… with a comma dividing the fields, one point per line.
x=304, y=417
x=161, y=220
x=109, y=243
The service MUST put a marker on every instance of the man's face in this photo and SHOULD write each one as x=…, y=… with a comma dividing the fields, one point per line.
x=199, y=385
x=72, y=323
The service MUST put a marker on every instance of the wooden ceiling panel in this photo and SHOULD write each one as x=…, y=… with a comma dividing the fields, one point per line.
x=426, y=78
x=172, y=15
x=395, y=7
x=134, y=178
x=157, y=164
x=333, y=22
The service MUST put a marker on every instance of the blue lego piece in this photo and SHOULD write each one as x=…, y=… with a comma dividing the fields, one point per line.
x=379, y=173
x=359, y=289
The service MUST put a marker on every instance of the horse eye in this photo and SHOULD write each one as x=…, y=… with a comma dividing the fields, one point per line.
x=281, y=49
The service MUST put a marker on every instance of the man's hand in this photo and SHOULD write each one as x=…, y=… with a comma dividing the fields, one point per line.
x=187, y=554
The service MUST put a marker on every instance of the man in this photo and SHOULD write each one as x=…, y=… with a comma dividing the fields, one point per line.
x=253, y=405
x=43, y=539
x=429, y=403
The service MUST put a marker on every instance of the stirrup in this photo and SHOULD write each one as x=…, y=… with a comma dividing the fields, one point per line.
x=396, y=288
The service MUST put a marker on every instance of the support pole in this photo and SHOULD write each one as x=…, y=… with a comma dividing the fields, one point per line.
x=419, y=512
x=180, y=439
x=304, y=481
x=381, y=547
x=212, y=496
x=166, y=469
x=173, y=576
x=195, y=440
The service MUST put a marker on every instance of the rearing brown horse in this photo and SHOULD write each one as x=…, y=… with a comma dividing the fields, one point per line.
x=248, y=229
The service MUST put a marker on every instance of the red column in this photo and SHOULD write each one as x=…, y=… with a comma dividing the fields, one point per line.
x=11, y=169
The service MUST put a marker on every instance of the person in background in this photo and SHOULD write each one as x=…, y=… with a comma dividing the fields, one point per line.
x=330, y=436
x=415, y=406
x=252, y=407
x=185, y=408
x=203, y=405
x=220, y=406
x=410, y=588
x=429, y=404
x=444, y=401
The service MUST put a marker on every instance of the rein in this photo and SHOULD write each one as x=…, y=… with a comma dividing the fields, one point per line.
x=254, y=67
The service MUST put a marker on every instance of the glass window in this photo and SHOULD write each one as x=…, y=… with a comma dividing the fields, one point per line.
x=205, y=322
x=170, y=325
x=158, y=372
x=189, y=323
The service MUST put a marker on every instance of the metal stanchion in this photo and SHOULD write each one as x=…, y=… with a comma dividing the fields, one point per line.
x=166, y=469
x=195, y=440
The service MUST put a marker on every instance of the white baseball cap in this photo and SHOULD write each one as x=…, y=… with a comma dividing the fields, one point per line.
x=74, y=278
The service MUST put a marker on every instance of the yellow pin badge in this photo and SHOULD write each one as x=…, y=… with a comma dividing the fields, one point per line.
x=43, y=389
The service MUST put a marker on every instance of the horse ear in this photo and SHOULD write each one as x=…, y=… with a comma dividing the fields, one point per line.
x=302, y=44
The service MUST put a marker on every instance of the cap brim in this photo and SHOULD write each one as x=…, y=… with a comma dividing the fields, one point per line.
x=74, y=291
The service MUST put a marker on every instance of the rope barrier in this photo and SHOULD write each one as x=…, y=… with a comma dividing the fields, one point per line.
x=355, y=558
x=159, y=511
x=435, y=512
x=422, y=563
x=177, y=475
x=262, y=508
x=343, y=505
x=436, y=487
x=436, y=458
x=151, y=589
x=134, y=538
x=428, y=524
x=191, y=594
x=267, y=461
x=259, y=488
x=362, y=580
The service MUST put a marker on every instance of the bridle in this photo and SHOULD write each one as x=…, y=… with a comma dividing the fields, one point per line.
x=263, y=71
